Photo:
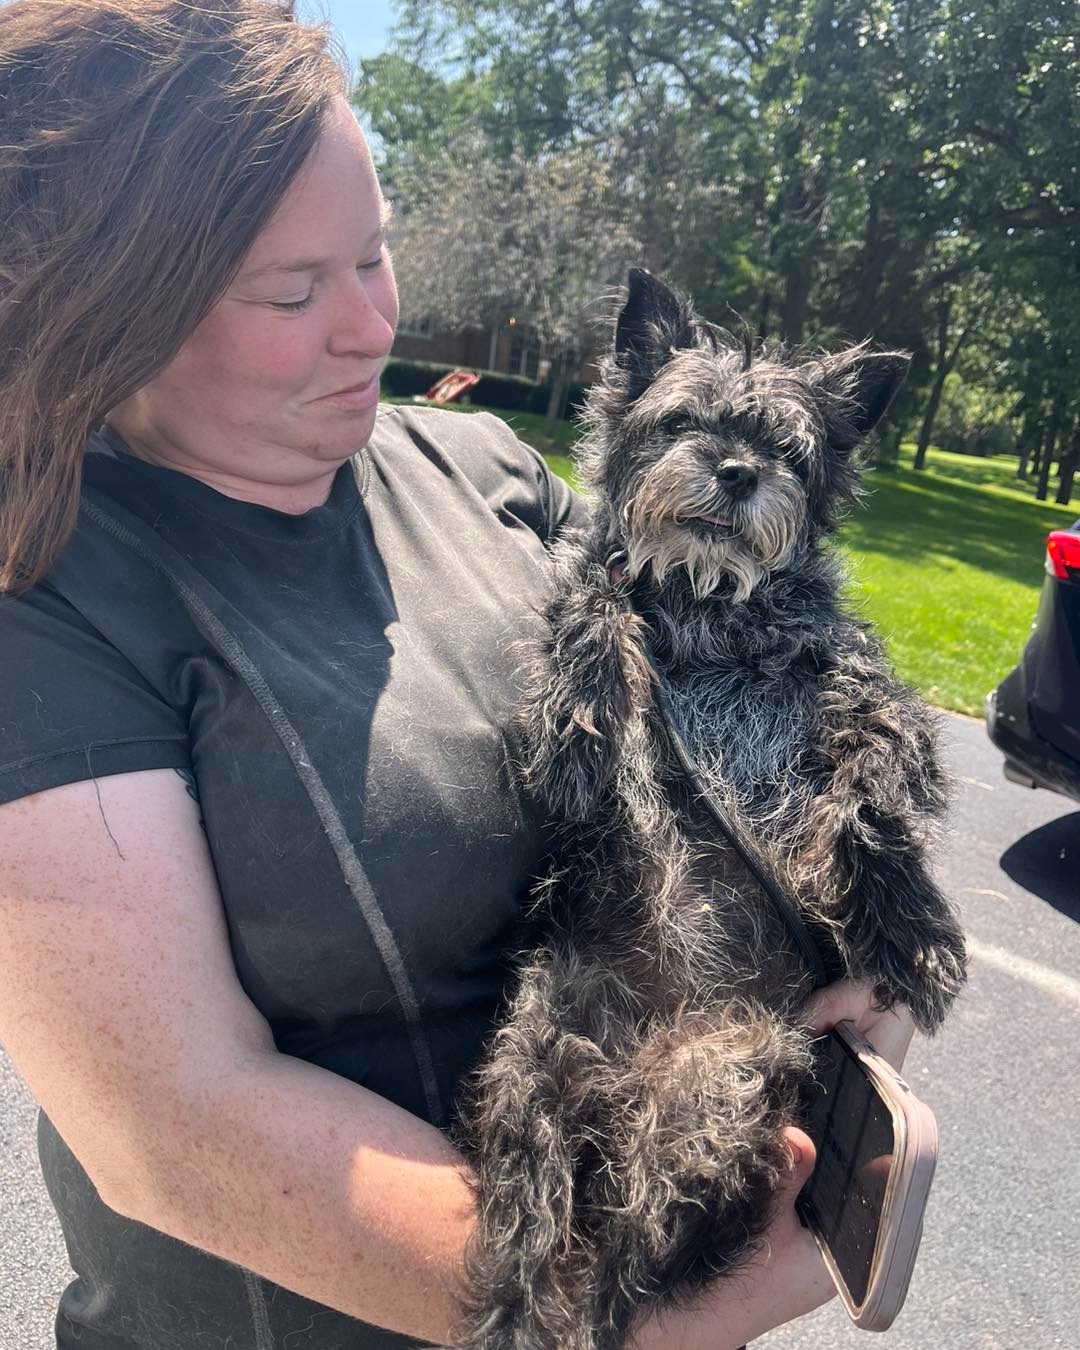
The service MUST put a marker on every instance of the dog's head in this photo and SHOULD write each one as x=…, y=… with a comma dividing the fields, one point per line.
x=720, y=458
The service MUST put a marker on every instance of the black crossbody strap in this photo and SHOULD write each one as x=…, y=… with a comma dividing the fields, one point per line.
x=809, y=946
x=789, y=911
x=193, y=589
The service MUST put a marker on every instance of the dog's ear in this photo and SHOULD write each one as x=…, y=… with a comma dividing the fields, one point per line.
x=651, y=310
x=854, y=389
x=651, y=323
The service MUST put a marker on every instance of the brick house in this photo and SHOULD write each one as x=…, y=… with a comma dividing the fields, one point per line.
x=510, y=350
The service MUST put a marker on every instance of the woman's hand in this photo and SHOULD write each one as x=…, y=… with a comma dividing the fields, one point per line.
x=787, y=1278
x=888, y=1032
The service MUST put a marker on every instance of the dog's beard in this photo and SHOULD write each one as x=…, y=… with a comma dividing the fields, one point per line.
x=675, y=491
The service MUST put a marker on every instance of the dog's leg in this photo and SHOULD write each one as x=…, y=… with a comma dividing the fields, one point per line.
x=538, y=1105
x=861, y=848
x=586, y=683
x=697, y=1157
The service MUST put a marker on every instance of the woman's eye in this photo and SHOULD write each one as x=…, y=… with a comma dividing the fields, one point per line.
x=293, y=306
x=297, y=306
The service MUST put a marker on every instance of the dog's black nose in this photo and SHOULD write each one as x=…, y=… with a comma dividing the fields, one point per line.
x=739, y=479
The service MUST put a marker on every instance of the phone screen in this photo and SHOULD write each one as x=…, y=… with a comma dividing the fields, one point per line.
x=852, y=1130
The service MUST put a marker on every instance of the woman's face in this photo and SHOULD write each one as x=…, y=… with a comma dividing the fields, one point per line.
x=311, y=312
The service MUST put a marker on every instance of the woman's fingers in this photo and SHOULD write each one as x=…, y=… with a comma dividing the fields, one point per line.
x=846, y=1000
x=890, y=1035
x=889, y=1032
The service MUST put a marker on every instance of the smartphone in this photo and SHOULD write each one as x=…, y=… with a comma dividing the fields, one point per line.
x=876, y=1153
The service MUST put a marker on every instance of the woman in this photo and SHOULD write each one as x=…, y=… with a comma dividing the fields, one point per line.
x=261, y=861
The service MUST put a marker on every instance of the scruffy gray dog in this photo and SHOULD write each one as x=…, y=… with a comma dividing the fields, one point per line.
x=624, y=1128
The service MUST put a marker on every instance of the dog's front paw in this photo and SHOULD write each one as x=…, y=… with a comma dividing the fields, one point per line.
x=589, y=686
x=941, y=972
x=926, y=977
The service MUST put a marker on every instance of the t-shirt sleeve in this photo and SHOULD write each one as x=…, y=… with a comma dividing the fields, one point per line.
x=562, y=508
x=515, y=480
x=72, y=706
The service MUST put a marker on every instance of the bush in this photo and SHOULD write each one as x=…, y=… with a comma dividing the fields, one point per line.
x=542, y=392
x=511, y=393
x=402, y=379
x=974, y=420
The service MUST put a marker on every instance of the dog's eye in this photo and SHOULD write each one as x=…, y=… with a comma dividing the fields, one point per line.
x=677, y=423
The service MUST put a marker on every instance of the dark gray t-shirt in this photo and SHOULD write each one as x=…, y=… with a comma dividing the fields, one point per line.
x=338, y=685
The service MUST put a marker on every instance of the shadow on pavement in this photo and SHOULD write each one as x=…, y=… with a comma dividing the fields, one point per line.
x=1046, y=862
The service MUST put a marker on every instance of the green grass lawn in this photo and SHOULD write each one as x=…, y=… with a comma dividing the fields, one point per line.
x=946, y=563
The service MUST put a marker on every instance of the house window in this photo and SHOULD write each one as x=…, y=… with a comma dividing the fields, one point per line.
x=524, y=356
x=417, y=328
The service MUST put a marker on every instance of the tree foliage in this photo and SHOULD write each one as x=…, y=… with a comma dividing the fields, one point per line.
x=825, y=168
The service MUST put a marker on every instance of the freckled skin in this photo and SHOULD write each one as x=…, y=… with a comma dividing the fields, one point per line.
x=238, y=407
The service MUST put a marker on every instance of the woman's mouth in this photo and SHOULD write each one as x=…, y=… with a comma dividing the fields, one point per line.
x=360, y=399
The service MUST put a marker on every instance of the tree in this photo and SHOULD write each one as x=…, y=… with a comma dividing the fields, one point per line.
x=536, y=239
x=950, y=341
x=1069, y=462
x=826, y=168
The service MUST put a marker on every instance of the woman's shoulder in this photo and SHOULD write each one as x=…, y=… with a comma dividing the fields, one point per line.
x=480, y=444
x=507, y=472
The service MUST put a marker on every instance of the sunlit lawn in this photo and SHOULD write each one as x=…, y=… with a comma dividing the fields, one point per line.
x=946, y=564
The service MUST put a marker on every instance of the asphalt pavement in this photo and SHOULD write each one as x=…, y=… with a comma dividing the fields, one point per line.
x=999, y=1266
x=1000, y=1261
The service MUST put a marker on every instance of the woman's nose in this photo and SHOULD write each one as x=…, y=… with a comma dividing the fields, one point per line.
x=363, y=318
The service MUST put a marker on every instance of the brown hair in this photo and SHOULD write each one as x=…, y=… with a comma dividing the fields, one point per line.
x=143, y=146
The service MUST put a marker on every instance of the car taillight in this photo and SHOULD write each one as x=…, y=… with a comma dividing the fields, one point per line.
x=1063, y=555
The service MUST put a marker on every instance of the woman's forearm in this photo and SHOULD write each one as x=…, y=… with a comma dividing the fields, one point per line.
x=337, y=1194
x=318, y=1185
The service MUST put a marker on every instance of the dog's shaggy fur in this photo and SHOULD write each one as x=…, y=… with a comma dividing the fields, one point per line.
x=624, y=1128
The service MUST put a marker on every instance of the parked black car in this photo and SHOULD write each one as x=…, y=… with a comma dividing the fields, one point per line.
x=1034, y=713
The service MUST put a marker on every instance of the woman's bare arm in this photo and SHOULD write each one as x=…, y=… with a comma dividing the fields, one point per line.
x=120, y=1006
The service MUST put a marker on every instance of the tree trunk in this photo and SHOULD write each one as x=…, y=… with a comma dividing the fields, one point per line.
x=1069, y=464
x=945, y=363
x=1048, y=451
x=875, y=251
x=1025, y=451
x=927, y=428
x=804, y=209
x=798, y=278
x=770, y=221
x=557, y=391
x=887, y=448
x=1038, y=446
x=1029, y=436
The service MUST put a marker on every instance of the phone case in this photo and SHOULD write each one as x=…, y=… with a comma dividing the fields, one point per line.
x=914, y=1161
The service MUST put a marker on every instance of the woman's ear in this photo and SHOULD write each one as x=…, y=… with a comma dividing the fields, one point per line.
x=854, y=389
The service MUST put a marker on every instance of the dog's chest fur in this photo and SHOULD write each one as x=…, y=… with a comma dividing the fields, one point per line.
x=747, y=730
x=744, y=688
